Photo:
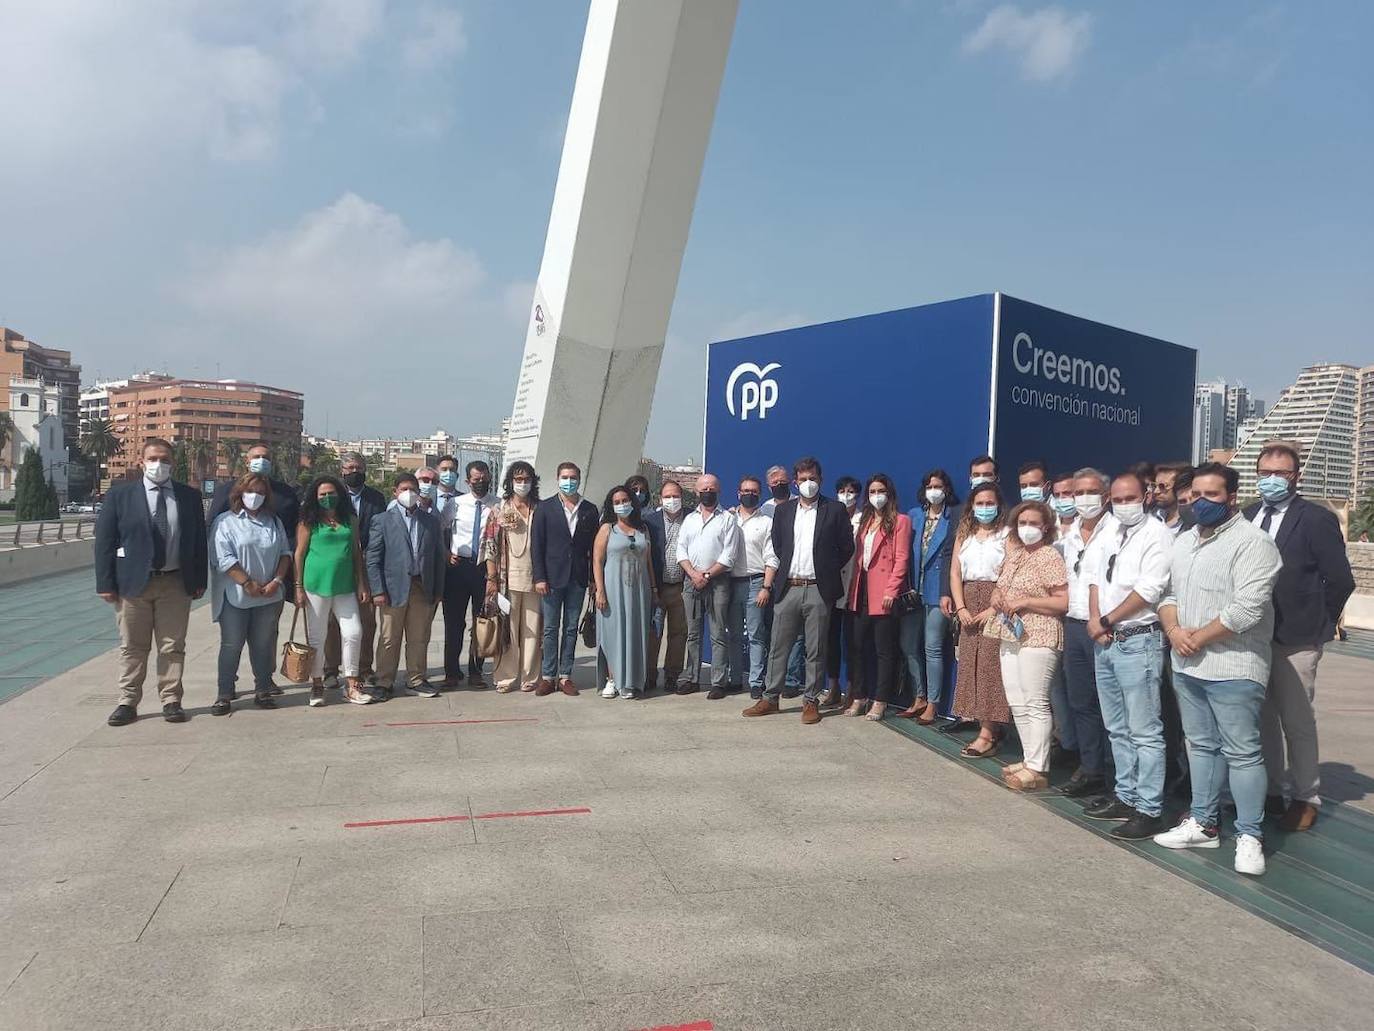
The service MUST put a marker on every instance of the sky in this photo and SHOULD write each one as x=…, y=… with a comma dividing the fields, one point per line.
x=349, y=197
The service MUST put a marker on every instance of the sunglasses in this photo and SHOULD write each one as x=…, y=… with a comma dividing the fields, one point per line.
x=1111, y=565
x=632, y=542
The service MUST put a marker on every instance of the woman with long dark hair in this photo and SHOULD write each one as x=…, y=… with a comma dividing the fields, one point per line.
x=979, y=551
x=925, y=626
x=506, y=554
x=882, y=555
x=330, y=559
x=623, y=568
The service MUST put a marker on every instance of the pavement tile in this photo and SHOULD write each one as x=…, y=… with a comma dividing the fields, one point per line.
x=476, y=961
x=92, y=908
x=216, y=898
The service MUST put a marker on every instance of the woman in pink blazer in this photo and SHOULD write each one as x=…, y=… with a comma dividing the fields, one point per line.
x=882, y=554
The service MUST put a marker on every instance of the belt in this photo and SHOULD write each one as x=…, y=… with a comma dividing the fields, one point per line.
x=163, y=572
x=796, y=581
x=1133, y=631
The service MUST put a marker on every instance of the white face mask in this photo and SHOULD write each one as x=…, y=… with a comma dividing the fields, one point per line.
x=878, y=501
x=847, y=497
x=1089, y=505
x=1129, y=515
x=520, y=487
x=672, y=505
x=623, y=509
x=976, y=481
x=809, y=489
x=252, y=501
x=935, y=496
x=158, y=472
x=408, y=498
x=1030, y=535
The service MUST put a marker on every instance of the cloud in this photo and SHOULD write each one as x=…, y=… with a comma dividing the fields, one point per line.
x=348, y=272
x=1047, y=42
x=438, y=36
x=331, y=33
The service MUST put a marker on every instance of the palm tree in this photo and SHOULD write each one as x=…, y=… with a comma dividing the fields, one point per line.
x=101, y=443
x=232, y=452
x=1362, y=519
x=201, y=452
x=6, y=435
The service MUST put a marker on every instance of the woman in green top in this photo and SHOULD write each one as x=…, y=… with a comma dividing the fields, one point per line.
x=332, y=582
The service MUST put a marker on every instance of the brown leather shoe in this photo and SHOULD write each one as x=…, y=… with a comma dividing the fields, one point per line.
x=811, y=713
x=763, y=707
x=451, y=681
x=545, y=688
x=1300, y=816
x=832, y=699
x=566, y=685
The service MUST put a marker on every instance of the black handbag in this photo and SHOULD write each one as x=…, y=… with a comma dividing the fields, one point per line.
x=589, y=620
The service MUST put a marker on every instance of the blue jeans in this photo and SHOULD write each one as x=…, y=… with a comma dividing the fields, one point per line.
x=258, y=628
x=749, y=626
x=1128, y=684
x=923, y=644
x=1063, y=715
x=561, y=608
x=1080, y=685
x=1221, y=720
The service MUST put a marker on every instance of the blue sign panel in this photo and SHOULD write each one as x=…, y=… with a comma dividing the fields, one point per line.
x=1077, y=393
x=900, y=392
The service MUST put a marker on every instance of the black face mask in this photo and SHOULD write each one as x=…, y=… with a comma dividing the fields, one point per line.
x=641, y=499
x=781, y=491
x=353, y=481
x=749, y=499
x=709, y=498
x=480, y=488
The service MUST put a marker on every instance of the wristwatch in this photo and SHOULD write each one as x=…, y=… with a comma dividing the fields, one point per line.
x=1104, y=623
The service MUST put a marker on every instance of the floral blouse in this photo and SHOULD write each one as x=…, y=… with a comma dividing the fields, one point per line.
x=1031, y=574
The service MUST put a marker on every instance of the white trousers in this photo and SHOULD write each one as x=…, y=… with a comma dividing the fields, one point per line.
x=1027, y=674
x=345, y=610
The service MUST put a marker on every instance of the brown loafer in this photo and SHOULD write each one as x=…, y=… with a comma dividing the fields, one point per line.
x=545, y=688
x=763, y=707
x=1300, y=816
x=811, y=712
x=566, y=685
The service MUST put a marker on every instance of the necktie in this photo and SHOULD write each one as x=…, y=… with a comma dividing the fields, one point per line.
x=162, y=529
x=476, y=527
x=1268, y=518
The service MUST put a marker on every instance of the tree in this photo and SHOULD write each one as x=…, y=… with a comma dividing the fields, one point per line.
x=232, y=452
x=200, y=453
x=51, y=508
x=101, y=443
x=1362, y=519
x=6, y=435
x=181, y=462
x=30, y=488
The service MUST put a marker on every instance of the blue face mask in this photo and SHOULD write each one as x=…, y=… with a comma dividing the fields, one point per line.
x=985, y=513
x=1032, y=493
x=1209, y=512
x=448, y=477
x=261, y=466
x=568, y=485
x=1066, y=507
x=1275, y=489
x=623, y=509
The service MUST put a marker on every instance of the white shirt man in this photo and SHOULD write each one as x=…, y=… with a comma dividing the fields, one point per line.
x=708, y=538
x=467, y=520
x=755, y=544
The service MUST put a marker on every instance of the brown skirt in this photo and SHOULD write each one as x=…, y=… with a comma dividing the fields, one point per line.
x=978, y=693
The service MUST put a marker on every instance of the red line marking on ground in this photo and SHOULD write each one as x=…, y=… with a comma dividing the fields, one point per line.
x=464, y=818
x=450, y=723
x=699, y=1025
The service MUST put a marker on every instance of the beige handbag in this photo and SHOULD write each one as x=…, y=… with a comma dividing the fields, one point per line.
x=491, y=632
x=297, y=658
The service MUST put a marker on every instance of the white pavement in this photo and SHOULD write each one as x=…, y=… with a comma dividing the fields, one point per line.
x=730, y=873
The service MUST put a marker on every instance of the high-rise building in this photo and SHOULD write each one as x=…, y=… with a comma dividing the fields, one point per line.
x=1209, y=419
x=1364, y=435
x=95, y=404
x=212, y=417
x=1317, y=415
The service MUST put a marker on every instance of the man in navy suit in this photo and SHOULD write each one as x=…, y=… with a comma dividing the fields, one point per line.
x=561, y=537
x=151, y=561
x=1309, y=595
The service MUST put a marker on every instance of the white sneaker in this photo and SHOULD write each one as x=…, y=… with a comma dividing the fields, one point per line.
x=333, y=682
x=609, y=690
x=1249, y=855
x=316, y=696
x=1189, y=834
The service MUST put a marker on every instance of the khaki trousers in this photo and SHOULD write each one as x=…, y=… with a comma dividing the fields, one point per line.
x=675, y=626
x=413, y=620
x=519, y=665
x=1288, y=724
x=157, y=616
x=333, y=644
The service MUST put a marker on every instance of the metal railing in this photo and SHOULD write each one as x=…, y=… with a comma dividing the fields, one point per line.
x=47, y=531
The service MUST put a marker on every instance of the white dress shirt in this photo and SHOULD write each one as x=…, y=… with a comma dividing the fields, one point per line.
x=1280, y=510
x=1138, y=558
x=804, y=543
x=1080, y=565
x=172, y=554
x=705, y=540
x=463, y=511
x=981, y=560
x=755, y=544
x=570, y=514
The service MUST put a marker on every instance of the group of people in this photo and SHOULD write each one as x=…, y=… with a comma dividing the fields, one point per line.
x=1138, y=624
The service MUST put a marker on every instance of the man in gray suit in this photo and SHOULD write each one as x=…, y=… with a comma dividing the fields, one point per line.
x=405, y=572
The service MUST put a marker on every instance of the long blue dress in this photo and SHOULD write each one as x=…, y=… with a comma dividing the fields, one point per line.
x=622, y=631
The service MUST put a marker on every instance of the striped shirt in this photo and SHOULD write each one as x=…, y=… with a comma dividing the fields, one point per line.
x=1229, y=575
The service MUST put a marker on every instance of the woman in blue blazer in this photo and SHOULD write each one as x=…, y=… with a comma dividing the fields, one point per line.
x=925, y=627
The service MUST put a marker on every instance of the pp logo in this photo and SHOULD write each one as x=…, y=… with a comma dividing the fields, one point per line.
x=757, y=394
